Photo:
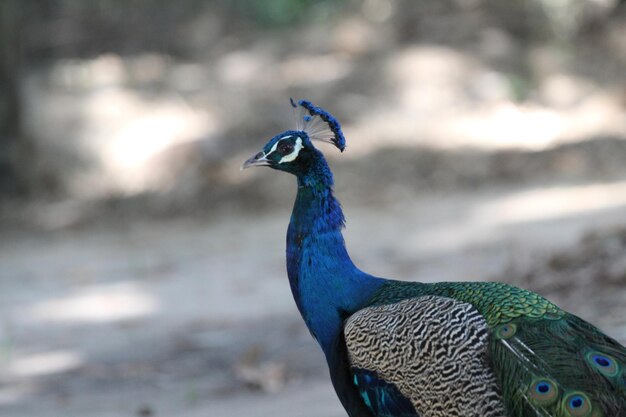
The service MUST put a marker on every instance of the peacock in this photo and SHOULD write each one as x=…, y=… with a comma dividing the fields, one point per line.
x=445, y=349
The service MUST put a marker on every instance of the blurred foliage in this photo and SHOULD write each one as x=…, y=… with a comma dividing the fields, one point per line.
x=520, y=87
x=37, y=35
x=273, y=13
x=11, y=141
x=70, y=28
x=75, y=28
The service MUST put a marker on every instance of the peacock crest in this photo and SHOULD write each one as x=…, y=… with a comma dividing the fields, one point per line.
x=318, y=123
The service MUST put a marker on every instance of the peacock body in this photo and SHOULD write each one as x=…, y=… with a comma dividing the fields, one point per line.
x=448, y=349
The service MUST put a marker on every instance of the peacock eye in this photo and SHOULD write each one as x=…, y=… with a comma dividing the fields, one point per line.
x=603, y=363
x=285, y=147
x=543, y=391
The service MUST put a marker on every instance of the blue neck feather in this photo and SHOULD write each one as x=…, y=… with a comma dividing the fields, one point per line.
x=326, y=285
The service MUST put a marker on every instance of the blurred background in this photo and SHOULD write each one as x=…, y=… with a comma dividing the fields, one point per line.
x=142, y=274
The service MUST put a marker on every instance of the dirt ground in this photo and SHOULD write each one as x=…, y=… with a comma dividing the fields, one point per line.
x=193, y=317
x=146, y=277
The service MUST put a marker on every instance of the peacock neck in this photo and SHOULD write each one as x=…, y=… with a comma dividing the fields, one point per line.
x=325, y=283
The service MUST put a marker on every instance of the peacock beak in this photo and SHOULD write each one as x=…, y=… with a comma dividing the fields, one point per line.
x=257, y=160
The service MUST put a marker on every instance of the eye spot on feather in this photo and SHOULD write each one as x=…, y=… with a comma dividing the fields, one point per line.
x=543, y=391
x=604, y=364
x=505, y=331
x=577, y=404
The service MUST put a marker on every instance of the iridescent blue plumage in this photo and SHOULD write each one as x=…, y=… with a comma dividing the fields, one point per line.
x=401, y=349
x=381, y=397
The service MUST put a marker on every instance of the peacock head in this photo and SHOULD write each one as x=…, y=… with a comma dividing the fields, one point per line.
x=293, y=151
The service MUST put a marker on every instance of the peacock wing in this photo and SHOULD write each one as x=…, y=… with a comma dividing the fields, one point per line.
x=425, y=355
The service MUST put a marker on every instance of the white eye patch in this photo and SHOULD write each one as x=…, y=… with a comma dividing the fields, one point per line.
x=293, y=155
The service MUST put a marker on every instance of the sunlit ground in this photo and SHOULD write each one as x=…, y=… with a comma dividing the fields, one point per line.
x=132, y=298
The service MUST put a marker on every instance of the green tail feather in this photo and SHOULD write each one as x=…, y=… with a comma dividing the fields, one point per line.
x=559, y=368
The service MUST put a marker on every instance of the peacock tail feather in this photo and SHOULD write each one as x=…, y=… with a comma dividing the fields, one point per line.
x=548, y=362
